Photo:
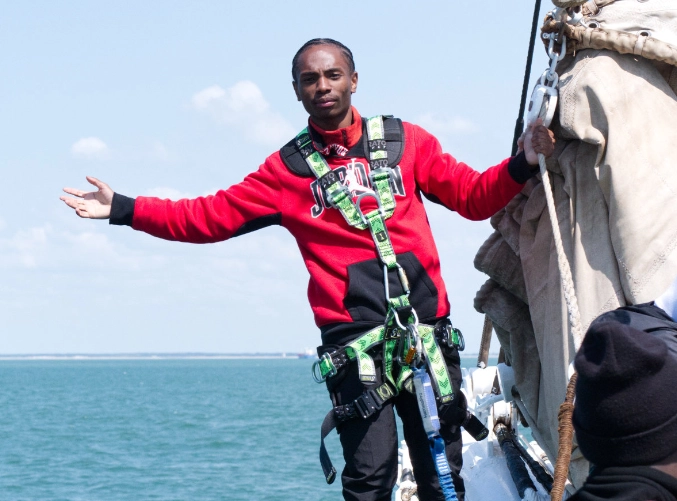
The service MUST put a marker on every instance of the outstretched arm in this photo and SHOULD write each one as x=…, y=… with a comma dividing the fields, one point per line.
x=249, y=205
x=92, y=204
x=472, y=194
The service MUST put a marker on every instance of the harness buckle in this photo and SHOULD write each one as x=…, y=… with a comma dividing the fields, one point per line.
x=341, y=192
x=316, y=369
x=450, y=336
x=379, y=172
x=359, y=208
x=367, y=404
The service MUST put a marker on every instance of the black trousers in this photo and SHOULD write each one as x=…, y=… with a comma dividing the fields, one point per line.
x=370, y=445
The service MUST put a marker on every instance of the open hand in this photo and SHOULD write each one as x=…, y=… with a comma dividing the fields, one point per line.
x=537, y=139
x=93, y=204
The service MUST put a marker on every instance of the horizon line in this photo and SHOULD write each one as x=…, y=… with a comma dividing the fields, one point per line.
x=167, y=355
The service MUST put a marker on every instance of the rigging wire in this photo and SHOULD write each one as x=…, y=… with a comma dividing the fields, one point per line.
x=519, y=125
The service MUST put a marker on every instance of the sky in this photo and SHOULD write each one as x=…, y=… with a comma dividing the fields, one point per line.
x=179, y=99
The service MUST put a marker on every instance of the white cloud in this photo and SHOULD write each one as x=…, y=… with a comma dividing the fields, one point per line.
x=90, y=148
x=440, y=125
x=243, y=106
x=158, y=151
x=47, y=247
x=25, y=248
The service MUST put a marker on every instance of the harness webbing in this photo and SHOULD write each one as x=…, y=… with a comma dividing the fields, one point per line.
x=403, y=339
x=331, y=362
x=337, y=194
x=378, y=162
x=372, y=400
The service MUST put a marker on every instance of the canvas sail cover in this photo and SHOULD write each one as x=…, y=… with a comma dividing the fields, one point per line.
x=615, y=188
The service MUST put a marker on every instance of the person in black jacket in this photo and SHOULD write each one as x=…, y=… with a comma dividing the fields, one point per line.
x=625, y=414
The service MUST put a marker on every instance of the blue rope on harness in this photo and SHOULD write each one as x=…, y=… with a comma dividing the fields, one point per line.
x=431, y=423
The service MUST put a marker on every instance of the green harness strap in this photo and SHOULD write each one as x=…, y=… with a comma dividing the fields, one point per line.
x=338, y=195
x=358, y=348
x=412, y=337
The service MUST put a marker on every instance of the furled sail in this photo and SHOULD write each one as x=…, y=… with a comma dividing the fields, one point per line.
x=613, y=178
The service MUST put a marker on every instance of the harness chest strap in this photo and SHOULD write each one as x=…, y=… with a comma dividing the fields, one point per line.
x=338, y=195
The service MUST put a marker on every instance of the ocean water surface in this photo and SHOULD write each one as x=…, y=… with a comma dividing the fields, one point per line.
x=86, y=430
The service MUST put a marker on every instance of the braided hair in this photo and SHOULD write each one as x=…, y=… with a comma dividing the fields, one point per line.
x=322, y=41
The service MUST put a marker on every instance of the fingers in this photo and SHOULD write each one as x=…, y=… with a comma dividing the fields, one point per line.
x=520, y=144
x=70, y=202
x=543, y=141
x=99, y=184
x=78, y=205
x=81, y=193
x=74, y=192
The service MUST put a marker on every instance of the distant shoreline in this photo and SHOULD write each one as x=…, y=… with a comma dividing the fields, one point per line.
x=171, y=356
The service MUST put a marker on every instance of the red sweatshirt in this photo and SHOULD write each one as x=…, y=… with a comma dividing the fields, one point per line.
x=346, y=278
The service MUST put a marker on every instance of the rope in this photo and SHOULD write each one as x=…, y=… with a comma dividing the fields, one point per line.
x=583, y=37
x=562, y=261
x=485, y=343
x=568, y=3
x=565, y=427
x=566, y=434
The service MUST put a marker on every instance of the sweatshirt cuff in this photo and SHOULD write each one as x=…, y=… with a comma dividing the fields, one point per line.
x=520, y=170
x=122, y=210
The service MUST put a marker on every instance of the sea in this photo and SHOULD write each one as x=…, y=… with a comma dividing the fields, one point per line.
x=164, y=429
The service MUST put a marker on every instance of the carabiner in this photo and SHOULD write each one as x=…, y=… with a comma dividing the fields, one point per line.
x=399, y=322
x=403, y=280
x=408, y=352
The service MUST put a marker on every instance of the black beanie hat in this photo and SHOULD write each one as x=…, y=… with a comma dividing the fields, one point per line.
x=626, y=398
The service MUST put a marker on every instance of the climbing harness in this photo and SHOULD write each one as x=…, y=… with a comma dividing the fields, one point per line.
x=411, y=354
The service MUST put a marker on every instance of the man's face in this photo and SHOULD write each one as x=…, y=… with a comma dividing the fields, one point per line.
x=324, y=84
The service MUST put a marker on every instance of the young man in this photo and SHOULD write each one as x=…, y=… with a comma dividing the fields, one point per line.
x=302, y=187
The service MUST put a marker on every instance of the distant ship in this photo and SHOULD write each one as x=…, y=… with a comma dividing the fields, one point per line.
x=308, y=353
